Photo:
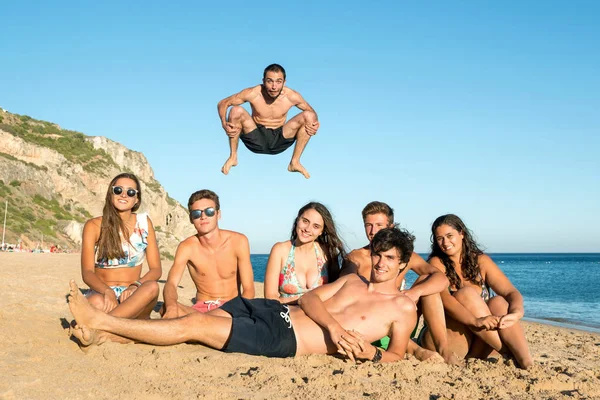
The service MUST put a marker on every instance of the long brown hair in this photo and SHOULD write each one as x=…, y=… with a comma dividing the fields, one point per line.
x=109, y=242
x=330, y=242
x=468, y=256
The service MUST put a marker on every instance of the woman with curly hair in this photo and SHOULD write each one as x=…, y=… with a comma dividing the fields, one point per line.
x=309, y=259
x=478, y=322
x=115, y=245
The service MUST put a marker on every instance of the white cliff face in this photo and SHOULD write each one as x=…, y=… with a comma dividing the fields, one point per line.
x=45, y=172
x=129, y=159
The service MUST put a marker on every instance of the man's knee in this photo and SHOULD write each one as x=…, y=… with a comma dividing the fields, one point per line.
x=96, y=301
x=237, y=113
x=194, y=319
x=308, y=117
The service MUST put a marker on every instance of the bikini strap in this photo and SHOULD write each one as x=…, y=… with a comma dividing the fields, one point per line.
x=289, y=260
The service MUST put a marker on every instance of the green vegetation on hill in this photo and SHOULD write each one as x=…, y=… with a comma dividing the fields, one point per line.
x=35, y=216
x=72, y=145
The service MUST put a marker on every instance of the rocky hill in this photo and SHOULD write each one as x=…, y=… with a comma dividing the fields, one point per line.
x=55, y=179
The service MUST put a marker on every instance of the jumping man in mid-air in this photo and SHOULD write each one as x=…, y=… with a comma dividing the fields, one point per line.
x=266, y=130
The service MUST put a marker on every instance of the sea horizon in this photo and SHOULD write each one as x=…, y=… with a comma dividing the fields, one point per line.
x=552, y=286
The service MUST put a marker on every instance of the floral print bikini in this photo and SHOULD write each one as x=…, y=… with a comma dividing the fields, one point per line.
x=288, y=280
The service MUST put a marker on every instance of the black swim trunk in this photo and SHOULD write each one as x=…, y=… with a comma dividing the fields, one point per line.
x=266, y=140
x=260, y=327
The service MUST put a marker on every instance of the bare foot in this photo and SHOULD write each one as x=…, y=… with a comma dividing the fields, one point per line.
x=297, y=167
x=231, y=162
x=82, y=310
x=85, y=336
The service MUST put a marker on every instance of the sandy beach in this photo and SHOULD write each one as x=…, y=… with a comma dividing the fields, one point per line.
x=39, y=361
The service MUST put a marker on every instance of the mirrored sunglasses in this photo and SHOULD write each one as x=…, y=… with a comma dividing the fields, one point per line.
x=210, y=212
x=117, y=190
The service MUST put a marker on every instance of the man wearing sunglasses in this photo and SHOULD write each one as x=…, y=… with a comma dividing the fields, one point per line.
x=342, y=317
x=218, y=261
x=266, y=130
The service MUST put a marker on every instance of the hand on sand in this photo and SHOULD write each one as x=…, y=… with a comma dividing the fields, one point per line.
x=297, y=167
x=171, y=313
x=421, y=353
x=451, y=358
x=231, y=162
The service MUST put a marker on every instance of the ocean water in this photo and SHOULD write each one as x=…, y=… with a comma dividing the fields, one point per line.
x=557, y=288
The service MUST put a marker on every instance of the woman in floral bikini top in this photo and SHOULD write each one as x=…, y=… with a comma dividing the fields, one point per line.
x=114, y=248
x=308, y=260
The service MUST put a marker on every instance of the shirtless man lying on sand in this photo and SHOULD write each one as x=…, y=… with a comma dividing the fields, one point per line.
x=377, y=216
x=218, y=261
x=265, y=131
x=341, y=317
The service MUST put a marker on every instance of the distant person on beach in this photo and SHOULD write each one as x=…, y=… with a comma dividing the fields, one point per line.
x=342, y=317
x=266, y=130
x=114, y=248
x=478, y=321
x=218, y=261
x=425, y=291
x=306, y=261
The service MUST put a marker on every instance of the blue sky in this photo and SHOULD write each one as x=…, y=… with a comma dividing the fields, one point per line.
x=488, y=110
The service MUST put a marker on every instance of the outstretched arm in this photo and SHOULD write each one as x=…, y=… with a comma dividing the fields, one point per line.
x=435, y=282
x=245, y=268
x=175, y=274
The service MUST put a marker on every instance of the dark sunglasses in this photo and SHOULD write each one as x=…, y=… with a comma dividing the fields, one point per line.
x=210, y=212
x=117, y=190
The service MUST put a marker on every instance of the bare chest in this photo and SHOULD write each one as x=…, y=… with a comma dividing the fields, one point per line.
x=213, y=266
x=276, y=110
